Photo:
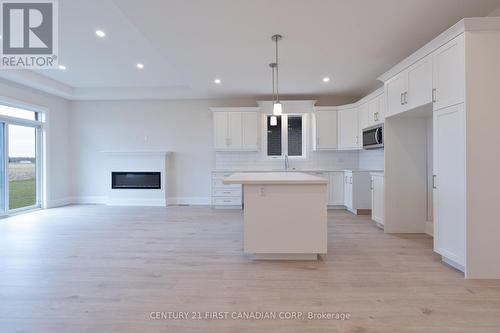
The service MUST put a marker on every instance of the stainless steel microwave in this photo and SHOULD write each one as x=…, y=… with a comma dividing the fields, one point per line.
x=373, y=137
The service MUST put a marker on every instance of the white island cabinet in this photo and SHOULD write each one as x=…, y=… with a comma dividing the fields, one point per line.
x=285, y=214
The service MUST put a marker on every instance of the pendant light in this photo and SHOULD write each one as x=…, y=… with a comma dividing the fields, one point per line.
x=277, y=107
x=273, y=120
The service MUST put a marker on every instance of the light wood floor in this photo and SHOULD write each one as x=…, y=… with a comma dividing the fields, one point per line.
x=105, y=269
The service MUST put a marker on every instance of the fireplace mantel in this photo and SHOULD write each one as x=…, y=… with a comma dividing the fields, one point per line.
x=134, y=161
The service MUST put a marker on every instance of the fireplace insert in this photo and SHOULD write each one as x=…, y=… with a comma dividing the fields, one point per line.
x=135, y=180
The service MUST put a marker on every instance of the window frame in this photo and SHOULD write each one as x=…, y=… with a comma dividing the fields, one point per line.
x=40, y=126
x=284, y=137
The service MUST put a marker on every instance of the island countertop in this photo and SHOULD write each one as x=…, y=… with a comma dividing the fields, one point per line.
x=278, y=178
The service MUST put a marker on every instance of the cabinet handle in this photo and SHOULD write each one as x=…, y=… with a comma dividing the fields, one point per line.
x=405, y=97
x=434, y=99
x=434, y=186
x=350, y=181
x=357, y=139
x=371, y=184
x=401, y=99
x=317, y=141
x=346, y=179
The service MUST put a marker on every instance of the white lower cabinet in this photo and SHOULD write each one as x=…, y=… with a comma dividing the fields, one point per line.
x=357, y=191
x=225, y=196
x=449, y=184
x=336, y=189
x=377, y=187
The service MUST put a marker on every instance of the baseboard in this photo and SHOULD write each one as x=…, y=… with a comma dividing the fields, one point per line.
x=429, y=228
x=90, y=200
x=136, y=202
x=203, y=201
x=59, y=202
x=363, y=212
x=104, y=200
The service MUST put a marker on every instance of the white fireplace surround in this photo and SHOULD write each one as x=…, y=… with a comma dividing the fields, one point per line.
x=137, y=161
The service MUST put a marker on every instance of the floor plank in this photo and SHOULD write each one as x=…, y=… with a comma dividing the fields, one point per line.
x=105, y=269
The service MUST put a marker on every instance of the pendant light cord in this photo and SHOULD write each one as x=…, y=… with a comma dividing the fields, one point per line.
x=277, y=74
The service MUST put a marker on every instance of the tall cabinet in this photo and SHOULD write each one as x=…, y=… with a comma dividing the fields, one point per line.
x=456, y=76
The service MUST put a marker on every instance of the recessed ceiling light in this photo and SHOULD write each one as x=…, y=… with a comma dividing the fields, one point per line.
x=217, y=81
x=140, y=66
x=326, y=79
x=100, y=33
x=62, y=67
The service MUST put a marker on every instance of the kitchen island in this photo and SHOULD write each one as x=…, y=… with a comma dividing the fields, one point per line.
x=285, y=215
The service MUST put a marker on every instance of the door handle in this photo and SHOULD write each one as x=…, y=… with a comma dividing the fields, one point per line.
x=434, y=99
x=434, y=185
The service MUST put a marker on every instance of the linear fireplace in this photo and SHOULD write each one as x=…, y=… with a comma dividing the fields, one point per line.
x=135, y=180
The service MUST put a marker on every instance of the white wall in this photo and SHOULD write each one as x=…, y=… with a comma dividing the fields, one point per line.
x=58, y=188
x=183, y=127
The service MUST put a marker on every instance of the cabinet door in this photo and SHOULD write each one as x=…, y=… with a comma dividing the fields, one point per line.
x=362, y=123
x=449, y=73
x=449, y=183
x=325, y=123
x=395, y=88
x=419, y=83
x=380, y=116
x=235, y=130
x=348, y=129
x=378, y=199
x=348, y=190
x=373, y=111
x=336, y=189
x=250, y=125
x=221, y=139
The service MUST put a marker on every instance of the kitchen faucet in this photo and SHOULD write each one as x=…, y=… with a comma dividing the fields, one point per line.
x=287, y=163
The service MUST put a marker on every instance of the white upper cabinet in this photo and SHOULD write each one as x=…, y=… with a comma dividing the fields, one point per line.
x=348, y=129
x=449, y=73
x=220, y=130
x=395, y=89
x=363, y=123
x=325, y=130
x=250, y=127
x=411, y=88
x=236, y=131
x=419, y=90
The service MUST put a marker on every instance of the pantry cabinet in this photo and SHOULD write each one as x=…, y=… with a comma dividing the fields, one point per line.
x=449, y=183
x=236, y=129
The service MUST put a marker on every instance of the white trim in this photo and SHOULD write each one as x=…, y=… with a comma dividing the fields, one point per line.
x=204, y=201
x=89, y=200
x=136, y=202
x=59, y=202
x=429, y=228
x=235, y=109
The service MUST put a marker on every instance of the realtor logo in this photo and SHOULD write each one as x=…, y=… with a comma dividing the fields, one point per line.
x=29, y=34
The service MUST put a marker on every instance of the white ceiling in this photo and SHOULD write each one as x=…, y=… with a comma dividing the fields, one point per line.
x=185, y=44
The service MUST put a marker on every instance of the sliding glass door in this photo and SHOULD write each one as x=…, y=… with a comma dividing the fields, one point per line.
x=22, y=167
x=20, y=151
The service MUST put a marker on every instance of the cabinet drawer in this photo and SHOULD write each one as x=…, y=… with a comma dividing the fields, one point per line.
x=218, y=183
x=226, y=201
x=227, y=192
x=221, y=175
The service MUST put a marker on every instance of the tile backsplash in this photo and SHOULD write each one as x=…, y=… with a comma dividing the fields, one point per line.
x=334, y=160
